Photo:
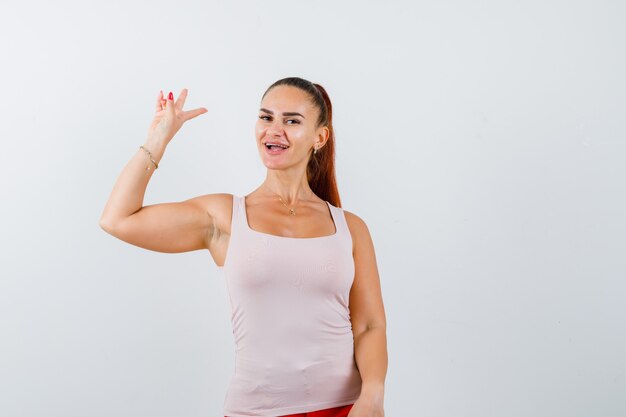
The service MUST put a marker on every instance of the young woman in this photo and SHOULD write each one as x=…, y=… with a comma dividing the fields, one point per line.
x=307, y=310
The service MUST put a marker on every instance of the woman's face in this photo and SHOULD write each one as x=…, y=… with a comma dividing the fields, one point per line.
x=287, y=117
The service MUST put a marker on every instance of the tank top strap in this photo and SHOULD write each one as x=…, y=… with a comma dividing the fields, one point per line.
x=237, y=215
x=339, y=218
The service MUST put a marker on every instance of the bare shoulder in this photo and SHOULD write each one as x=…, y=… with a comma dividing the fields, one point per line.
x=215, y=203
x=358, y=229
x=219, y=207
x=354, y=221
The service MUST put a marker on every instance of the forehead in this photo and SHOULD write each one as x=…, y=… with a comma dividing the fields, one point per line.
x=287, y=98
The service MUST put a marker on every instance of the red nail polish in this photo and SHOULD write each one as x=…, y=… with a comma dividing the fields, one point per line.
x=171, y=96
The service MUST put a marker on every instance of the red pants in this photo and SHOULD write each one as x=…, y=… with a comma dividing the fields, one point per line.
x=341, y=411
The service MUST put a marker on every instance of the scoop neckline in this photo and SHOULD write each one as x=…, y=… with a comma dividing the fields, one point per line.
x=245, y=221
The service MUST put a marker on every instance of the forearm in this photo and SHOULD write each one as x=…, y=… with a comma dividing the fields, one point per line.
x=370, y=352
x=128, y=192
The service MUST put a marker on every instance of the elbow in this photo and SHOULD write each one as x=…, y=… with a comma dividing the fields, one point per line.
x=381, y=327
x=106, y=225
x=358, y=331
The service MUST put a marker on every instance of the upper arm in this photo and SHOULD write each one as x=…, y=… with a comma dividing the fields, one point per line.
x=168, y=227
x=366, y=301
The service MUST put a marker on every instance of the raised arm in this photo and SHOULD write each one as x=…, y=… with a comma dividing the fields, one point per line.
x=167, y=227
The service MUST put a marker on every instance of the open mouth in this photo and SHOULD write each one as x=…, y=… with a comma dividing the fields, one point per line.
x=275, y=149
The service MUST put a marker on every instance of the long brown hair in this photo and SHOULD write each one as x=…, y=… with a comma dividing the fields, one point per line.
x=320, y=169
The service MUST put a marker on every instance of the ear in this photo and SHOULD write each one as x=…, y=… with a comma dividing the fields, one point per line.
x=322, y=136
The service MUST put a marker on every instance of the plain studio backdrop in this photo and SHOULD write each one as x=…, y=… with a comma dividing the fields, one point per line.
x=483, y=143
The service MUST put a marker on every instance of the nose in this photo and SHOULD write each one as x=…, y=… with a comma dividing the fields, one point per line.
x=275, y=128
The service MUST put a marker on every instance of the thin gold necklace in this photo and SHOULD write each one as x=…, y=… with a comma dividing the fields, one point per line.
x=292, y=211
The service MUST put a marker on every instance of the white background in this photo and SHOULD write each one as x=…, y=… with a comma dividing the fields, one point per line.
x=482, y=142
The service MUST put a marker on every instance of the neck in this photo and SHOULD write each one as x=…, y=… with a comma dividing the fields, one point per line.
x=290, y=187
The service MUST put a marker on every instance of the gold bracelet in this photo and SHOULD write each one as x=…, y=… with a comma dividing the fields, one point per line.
x=149, y=156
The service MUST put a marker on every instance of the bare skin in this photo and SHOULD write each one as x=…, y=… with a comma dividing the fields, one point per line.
x=204, y=222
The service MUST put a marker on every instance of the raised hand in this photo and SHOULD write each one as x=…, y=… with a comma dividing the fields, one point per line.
x=170, y=116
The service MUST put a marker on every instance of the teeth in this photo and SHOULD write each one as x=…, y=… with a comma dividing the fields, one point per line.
x=276, y=144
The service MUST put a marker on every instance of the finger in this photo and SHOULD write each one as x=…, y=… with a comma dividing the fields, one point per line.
x=163, y=101
x=194, y=113
x=159, y=100
x=169, y=106
x=180, y=102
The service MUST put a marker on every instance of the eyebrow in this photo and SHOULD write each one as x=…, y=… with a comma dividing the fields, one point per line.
x=287, y=113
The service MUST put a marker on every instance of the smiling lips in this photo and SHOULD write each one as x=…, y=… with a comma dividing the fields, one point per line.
x=275, y=145
x=275, y=148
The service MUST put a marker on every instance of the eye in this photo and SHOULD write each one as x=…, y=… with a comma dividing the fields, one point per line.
x=295, y=121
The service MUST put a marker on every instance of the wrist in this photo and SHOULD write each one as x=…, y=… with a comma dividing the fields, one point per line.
x=155, y=144
x=373, y=388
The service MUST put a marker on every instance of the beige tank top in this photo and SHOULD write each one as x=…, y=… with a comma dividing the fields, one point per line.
x=294, y=347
